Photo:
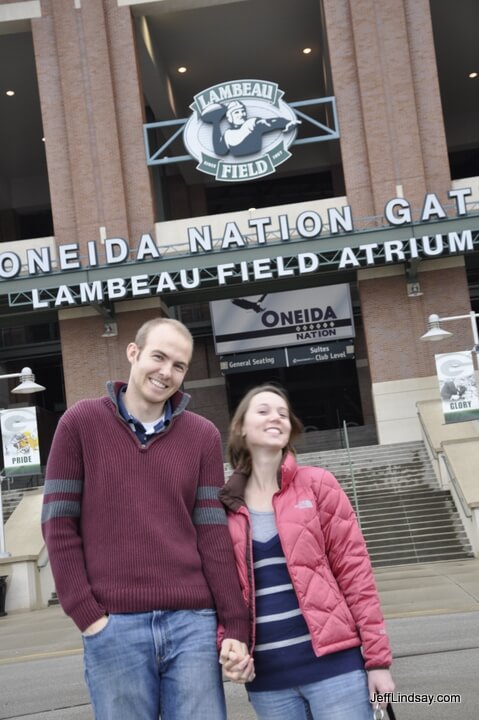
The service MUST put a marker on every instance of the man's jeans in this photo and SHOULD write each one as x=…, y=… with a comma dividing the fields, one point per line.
x=344, y=697
x=158, y=664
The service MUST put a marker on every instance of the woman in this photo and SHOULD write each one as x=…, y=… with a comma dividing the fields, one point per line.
x=305, y=574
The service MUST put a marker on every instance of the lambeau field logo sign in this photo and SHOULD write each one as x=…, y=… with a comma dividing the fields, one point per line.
x=240, y=130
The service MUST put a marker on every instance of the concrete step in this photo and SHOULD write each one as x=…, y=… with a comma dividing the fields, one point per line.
x=390, y=491
x=370, y=483
x=426, y=530
x=387, y=490
x=410, y=450
x=421, y=558
x=398, y=516
x=407, y=552
x=415, y=539
x=410, y=496
x=11, y=498
x=406, y=545
x=405, y=516
x=432, y=508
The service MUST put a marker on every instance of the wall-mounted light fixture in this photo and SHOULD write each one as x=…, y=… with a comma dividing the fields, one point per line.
x=110, y=329
x=413, y=286
x=27, y=384
x=435, y=332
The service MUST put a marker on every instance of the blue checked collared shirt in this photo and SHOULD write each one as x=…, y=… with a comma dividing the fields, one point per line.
x=135, y=424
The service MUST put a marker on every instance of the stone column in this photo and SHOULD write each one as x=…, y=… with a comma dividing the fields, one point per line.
x=92, y=110
x=389, y=107
x=393, y=144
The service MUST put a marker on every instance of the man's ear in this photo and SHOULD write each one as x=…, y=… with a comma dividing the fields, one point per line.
x=132, y=352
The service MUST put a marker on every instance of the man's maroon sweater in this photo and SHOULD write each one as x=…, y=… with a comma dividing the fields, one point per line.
x=136, y=528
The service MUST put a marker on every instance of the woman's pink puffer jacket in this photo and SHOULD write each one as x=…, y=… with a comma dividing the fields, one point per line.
x=326, y=557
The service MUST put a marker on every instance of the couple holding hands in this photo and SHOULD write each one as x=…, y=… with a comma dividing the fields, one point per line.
x=159, y=563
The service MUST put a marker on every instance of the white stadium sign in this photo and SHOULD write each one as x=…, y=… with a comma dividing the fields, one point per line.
x=240, y=130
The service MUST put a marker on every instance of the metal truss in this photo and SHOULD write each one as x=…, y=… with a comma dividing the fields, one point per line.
x=328, y=133
x=157, y=155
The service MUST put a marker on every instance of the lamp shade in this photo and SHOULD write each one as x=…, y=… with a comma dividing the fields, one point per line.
x=435, y=334
x=435, y=331
x=27, y=384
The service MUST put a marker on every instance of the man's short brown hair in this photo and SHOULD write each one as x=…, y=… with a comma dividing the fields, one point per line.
x=145, y=329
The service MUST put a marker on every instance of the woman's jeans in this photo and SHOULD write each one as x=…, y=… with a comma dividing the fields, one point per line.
x=158, y=664
x=344, y=697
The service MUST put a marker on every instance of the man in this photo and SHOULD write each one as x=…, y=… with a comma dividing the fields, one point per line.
x=245, y=135
x=138, y=542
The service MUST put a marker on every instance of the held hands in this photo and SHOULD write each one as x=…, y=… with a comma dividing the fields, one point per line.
x=379, y=682
x=236, y=662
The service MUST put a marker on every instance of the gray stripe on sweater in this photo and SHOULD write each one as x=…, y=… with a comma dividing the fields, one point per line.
x=63, y=486
x=60, y=508
x=207, y=492
x=209, y=516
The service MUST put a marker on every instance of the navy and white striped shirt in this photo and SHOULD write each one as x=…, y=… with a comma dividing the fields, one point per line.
x=283, y=653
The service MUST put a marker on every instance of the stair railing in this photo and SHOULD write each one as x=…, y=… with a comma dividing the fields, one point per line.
x=3, y=551
x=431, y=451
x=351, y=470
x=456, y=485
x=441, y=456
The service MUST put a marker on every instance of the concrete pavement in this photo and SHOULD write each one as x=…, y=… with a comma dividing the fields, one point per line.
x=429, y=588
x=428, y=598
x=405, y=590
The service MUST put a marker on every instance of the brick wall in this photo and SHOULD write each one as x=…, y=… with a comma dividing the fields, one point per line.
x=92, y=111
x=90, y=360
x=205, y=384
x=389, y=107
x=394, y=322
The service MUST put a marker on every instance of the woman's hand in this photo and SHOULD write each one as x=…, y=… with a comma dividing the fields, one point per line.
x=239, y=671
x=379, y=682
x=237, y=664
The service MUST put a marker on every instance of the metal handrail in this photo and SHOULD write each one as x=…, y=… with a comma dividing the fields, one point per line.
x=351, y=470
x=457, y=487
x=3, y=551
x=452, y=477
x=428, y=437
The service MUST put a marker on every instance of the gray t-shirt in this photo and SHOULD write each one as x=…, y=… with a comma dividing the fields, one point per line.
x=263, y=525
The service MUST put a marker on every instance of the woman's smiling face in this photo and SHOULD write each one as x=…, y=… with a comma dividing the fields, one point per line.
x=266, y=422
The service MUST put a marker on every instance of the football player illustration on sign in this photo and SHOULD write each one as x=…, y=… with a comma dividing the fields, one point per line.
x=244, y=136
x=240, y=130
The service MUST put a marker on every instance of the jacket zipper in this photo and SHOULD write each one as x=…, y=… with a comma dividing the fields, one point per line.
x=305, y=617
x=252, y=590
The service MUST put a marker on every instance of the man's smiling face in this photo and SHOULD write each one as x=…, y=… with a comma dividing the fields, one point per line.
x=158, y=368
